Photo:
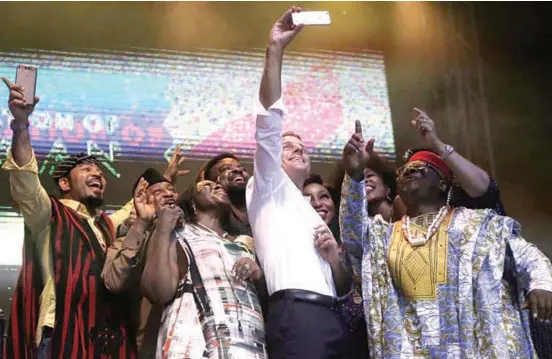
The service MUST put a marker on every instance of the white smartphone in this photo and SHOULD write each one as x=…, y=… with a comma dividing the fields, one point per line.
x=26, y=77
x=311, y=18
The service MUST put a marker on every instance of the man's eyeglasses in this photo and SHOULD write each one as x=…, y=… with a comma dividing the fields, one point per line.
x=416, y=166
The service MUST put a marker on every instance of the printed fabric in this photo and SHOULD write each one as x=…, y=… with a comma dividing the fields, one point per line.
x=476, y=313
x=213, y=316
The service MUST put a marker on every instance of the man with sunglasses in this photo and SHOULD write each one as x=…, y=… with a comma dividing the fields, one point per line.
x=443, y=281
x=473, y=187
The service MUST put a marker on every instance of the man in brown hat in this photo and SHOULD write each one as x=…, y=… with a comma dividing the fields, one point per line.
x=125, y=257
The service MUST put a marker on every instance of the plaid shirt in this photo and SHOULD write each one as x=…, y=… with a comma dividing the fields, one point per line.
x=234, y=325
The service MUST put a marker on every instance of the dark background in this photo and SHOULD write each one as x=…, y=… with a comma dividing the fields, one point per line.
x=513, y=36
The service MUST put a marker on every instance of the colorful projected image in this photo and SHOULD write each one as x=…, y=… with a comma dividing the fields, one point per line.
x=133, y=106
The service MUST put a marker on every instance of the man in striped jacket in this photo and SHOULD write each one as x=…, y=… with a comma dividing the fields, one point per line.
x=61, y=308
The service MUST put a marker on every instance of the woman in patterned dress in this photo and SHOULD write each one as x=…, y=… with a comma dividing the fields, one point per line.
x=205, y=279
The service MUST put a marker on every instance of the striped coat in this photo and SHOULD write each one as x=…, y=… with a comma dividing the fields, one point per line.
x=90, y=322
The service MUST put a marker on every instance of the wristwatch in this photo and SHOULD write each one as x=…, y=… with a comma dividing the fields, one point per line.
x=18, y=126
x=448, y=150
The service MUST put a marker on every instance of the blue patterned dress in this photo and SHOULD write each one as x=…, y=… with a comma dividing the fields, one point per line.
x=475, y=310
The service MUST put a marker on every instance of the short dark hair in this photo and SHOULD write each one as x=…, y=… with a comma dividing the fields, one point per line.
x=313, y=178
x=186, y=201
x=200, y=175
x=291, y=133
x=389, y=179
x=213, y=162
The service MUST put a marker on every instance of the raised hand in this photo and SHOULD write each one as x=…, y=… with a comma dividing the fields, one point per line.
x=426, y=128
x=145, y=209
x=169, y=218
x=326, y=244
x=173, y=170
x=356, y=153
x=17, y=102
x=283, y=31
x=131, y=219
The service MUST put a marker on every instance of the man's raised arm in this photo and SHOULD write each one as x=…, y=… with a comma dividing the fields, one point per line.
x=25, y=187
x=269, y=111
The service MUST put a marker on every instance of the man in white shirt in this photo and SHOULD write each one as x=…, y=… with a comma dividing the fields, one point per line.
x=296, y=249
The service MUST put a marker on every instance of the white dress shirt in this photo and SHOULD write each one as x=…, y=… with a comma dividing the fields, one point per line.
x=281, y=219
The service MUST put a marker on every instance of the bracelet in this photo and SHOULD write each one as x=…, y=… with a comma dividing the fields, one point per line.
x=18, y=126
x=448, y=150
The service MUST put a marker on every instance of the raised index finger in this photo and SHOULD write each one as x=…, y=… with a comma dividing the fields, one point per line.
x=7, y=82
x=358, y=127
x=12, y=86
x=420, y=112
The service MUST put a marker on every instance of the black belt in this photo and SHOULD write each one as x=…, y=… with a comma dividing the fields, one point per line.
x=304, y=296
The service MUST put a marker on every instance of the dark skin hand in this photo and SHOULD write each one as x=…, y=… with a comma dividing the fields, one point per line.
x=246, y=268
x=539, y=302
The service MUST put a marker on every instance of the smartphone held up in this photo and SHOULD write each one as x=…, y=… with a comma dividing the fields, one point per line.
x=26, y=77
x=311, y=18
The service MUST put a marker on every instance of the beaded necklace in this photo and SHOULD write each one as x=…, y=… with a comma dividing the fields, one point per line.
x=420, y=240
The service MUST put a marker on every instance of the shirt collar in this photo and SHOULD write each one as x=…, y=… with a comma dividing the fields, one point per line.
x=79, y=208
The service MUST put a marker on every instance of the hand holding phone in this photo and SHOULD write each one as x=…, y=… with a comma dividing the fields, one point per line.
x=26, y=77
x=311, y=18
x=22, y=103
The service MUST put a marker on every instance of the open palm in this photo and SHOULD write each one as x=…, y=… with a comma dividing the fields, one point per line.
x=173, y=170
x=144, y=206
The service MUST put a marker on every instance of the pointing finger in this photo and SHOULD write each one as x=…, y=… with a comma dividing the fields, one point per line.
x=420, y=112
x=358, y=127
x=8, y=83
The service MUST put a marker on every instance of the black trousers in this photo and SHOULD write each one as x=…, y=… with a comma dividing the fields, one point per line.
x=304, y=329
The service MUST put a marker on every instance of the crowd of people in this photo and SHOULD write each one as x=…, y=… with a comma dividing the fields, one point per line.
x=420, y=262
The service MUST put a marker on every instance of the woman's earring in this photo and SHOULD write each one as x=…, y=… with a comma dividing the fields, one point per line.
x=388, y=196
x=194, y=210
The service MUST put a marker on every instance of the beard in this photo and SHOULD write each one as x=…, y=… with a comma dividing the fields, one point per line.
x=236, y=194
x=93, y=202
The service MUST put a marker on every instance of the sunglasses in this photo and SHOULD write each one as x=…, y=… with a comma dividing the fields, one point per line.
x=416, y=166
